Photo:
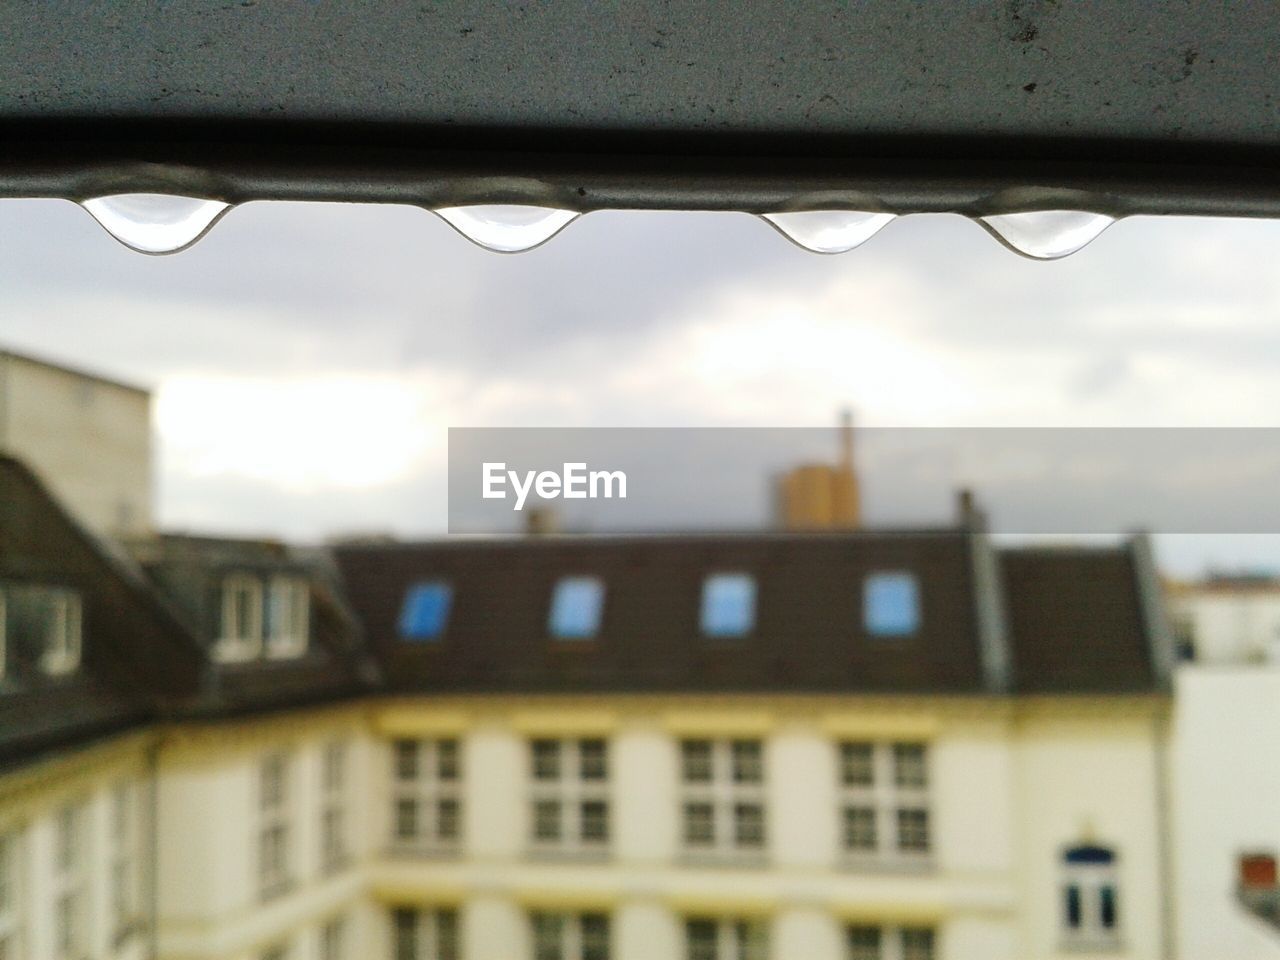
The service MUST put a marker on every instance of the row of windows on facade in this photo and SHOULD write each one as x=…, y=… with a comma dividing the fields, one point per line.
x=890, y=607
x=259, y=616
x=883, y=796
x=68, y=892
x=433, y=935
x=40, y=628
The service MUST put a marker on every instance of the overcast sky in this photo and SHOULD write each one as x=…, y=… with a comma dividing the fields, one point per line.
x=308, y=359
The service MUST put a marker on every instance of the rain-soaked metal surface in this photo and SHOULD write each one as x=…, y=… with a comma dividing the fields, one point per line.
x=983, y=107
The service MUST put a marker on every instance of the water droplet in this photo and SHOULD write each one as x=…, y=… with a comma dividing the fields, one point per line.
x=155, y=223
x=1046, y=234
x=507, y=228
x=828, y=231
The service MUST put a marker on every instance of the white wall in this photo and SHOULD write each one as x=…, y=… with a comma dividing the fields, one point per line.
x=1226, y=767
x=1089, y=780
x=1232, y=625
x=87, y=439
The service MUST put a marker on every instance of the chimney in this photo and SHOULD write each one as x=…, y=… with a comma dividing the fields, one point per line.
x=968, y=513
x=540, y=521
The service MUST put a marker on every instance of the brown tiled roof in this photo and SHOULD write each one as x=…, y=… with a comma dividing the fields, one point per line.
x=1076, y=621
x=809, y=634
x=138, y=658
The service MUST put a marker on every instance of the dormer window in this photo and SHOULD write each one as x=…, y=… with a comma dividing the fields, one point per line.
x=288, y=616
x=576, y=607
x=891, y=604
x=45, y=621
x=240, y=632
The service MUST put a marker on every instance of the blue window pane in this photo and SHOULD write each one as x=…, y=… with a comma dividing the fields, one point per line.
x=575, y=608
x=728, y=605
x=425, y=611
x=891, y=604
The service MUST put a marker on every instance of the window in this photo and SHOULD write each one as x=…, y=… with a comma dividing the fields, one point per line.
x=45, y=624
x=889, y=943
x=425, y=613
x=240, y=627
x=288, y=616
x=425, y=934
x=333, y=787
x=575, y=608
x=570, y=936
x=70, y=887
x=333, y=940
x=427, y=816
x=728, y=605
x=273, y=832
x=125, y=879
x=11, y=896
x=726, y=939
x=570, y=794
x=884, y=809
x=891, y=604
x=723, y=796
x=1090, y=911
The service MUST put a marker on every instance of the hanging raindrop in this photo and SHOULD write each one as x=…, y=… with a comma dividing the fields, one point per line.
x=1046, y=234
x=155, y=223
x=828, y=231
x=507, y=228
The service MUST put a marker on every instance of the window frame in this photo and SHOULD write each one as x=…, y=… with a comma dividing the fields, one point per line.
x=884, y=794
x=13, y=889
x=572, y=935
x=275, y=820
x=334, y=793
x=427, y=941
x=125, y=837
x=571, y=787
x=892, y=942
x=428, y=791
x=245, y=644
x=296, y=589
x=571, y=596
x=1089, y=880
x=711, y=606
x=70, y=880
x=880, y=624
x=444, y=588
x=724, y=799
x=732, y=938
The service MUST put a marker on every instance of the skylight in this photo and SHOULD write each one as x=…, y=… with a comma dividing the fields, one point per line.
x=728, y=605
x=576, y=607
x=891, y=604
x=426, y=610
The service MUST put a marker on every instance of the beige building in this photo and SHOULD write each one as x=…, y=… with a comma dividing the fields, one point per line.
x=87, y=437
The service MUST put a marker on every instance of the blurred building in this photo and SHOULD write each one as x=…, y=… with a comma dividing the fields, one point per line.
x=822, y=496
x=87, y=437
x=1228, y=618
x=895, y=744
x=1227, y=764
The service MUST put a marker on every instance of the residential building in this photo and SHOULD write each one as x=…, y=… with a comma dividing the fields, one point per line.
x=893, y=744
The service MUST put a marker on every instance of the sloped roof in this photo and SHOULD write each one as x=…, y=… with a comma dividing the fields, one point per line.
x=1074, y=623
x=139, y=659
